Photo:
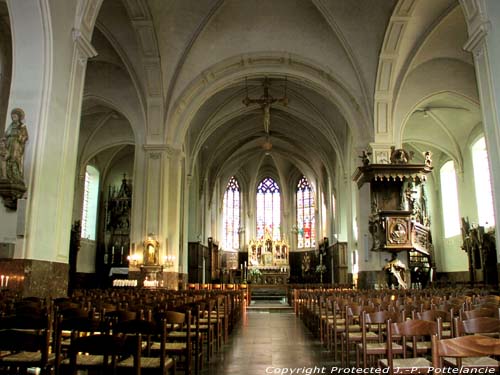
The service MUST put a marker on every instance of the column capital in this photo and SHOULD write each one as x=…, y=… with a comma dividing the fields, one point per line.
x=477, y=37
x=85, y=48
x=171, y=151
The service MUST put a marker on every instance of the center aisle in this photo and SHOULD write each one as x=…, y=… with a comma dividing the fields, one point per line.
x=265, y=343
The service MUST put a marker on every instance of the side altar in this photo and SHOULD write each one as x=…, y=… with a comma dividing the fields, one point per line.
x=268, y=261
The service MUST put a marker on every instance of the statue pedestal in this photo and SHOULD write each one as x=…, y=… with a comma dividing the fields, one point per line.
x=11, y=192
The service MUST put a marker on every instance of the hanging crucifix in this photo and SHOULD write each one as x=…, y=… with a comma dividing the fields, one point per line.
x=265, y=102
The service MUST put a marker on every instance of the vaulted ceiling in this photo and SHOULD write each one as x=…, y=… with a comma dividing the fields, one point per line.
x=176, y=71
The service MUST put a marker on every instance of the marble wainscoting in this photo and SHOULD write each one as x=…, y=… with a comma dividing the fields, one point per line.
x=35, y=278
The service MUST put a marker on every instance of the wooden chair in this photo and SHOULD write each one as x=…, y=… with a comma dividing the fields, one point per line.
x=485, y=326
x=433, y=316
x=336, y=326
x=478, y=313
x=352, y=333
x=414, y=329
x=212, y=324
x=77, y=327
x=95, y=352
x=182, y=350
x=25, y=343
x=464, y=348
x=191, y=328
x=369, y=347
x=138, y=359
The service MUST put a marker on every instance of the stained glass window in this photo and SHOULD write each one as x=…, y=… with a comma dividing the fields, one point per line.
x=231, y=216
x=268, y=209
x=306, y=224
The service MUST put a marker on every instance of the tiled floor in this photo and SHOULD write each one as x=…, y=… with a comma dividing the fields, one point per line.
x=266, y=342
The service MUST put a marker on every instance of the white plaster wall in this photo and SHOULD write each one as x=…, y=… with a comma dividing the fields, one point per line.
x=242, y=27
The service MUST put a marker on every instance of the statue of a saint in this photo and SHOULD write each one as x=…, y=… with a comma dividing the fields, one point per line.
x=12, y=148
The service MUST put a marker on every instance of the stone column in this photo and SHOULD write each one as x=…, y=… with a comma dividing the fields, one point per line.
x=51, y=46
x=483, y=18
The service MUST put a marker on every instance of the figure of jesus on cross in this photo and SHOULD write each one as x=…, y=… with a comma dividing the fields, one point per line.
x=265, y=102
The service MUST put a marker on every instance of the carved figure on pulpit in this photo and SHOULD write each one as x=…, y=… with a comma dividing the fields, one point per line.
x=400, y=156
x=428, y=158
x=396, y=273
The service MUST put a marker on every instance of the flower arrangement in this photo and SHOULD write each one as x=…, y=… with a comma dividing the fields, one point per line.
x=254, y=272
x=320, y=268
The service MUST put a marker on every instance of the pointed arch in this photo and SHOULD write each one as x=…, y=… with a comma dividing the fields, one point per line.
x=268, y=209
x=231, y=215
x=306, y=221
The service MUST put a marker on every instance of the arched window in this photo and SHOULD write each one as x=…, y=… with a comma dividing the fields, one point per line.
x=449, y=198
x=231, y=216
x=268, y=209
x=306, y=224
x=90, y=203
x=482, y=181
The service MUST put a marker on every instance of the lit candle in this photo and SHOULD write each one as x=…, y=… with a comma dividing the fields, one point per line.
x=6, y=281
x=2, y=277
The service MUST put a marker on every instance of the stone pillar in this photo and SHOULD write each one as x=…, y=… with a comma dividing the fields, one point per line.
x=161, y=184
x=51, y=45
x=483, y=20
x=370, y=263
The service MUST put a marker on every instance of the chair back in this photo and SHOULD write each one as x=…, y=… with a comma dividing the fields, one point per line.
x=462, y=347
x=478, y=325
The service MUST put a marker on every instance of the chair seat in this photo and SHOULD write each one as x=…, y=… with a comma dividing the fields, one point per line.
x=353, y=336
x=446, y=334
x=422, y=346
x=170, y=346
x=146, y=362
x=180, y=334
x=205, y=321
x=87, y=360
x=380, y=348
x=471, y=362
x=32, y=357
x=408, y=365
x=202, y=327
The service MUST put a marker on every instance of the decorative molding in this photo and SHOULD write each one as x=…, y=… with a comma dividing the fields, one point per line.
x=175, y=152
x=146, y=33
x=86, y=16
x=85, y=49
x=155, y=148
x=155, y=155
x=137, y=9
x=477, y=37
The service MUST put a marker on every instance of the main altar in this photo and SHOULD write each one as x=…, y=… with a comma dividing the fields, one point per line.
x=268, y=261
